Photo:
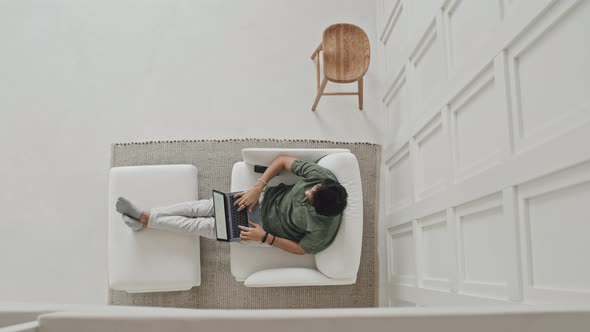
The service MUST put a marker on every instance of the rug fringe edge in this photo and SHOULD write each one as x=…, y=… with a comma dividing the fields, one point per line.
x=241, y=140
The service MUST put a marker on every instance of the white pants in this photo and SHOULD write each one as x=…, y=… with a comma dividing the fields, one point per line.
x=194, y=218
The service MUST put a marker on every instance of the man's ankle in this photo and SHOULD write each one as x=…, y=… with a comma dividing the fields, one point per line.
x=145, y=217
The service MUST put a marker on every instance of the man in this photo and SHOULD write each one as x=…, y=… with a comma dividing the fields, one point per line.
x=300, y=218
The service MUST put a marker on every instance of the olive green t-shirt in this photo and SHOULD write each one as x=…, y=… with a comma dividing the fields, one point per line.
x=286, y=212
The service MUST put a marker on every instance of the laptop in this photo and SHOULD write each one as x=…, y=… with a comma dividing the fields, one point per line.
x=227, y=217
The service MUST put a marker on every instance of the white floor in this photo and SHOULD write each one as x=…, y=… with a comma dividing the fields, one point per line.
x=79, y=76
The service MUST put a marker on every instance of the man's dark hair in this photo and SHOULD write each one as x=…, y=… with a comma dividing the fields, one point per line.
x=330, y=198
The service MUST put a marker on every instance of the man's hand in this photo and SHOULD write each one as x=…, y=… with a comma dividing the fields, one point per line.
x=254, y=233
x=248, y=199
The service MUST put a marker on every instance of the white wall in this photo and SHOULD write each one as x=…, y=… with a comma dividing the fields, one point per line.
x=76, y=76
x=486, y=168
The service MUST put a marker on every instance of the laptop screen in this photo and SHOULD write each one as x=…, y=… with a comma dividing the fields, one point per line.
x=219, y=201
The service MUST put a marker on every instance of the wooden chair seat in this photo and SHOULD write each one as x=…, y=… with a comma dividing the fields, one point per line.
x=346, y=58
x=346, y=53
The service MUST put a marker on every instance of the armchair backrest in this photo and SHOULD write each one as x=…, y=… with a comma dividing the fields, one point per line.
x=342, y=258
x=264, y=156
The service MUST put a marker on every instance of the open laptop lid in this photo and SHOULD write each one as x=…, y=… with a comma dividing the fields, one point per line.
x=221, y=219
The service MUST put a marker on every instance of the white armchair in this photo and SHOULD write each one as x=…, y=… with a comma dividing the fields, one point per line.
x=259, y=265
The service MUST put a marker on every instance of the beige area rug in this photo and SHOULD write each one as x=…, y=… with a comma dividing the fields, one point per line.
x=214, y=160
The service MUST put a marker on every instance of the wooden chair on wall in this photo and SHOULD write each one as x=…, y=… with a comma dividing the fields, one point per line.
x=346, y=59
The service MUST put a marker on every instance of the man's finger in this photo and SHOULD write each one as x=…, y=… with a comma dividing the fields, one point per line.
x=252, y=206
x=239, y=194
x=240, y=200
x=252, y=223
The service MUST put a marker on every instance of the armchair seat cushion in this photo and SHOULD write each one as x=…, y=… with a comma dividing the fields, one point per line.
x=248, y=258
x=289, y=277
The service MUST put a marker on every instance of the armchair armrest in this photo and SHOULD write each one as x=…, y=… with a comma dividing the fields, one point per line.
x=264, y=156
x=288, y=277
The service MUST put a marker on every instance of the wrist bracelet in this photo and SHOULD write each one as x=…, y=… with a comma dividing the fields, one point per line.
x=265, y=183
x=273, y=239
x=264, y=238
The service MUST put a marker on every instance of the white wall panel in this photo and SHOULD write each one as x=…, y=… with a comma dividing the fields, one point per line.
x=431, y=155
x=469, y=24
x=394, y=36
x=555, y=214
x=552, y=217
x=397, y=108
x=402, y=261
x=401, y=187
x=421, y=13
x=481, y=250
x=428, y=65
x=478, y=124
x=551, y=73
x=434, y=251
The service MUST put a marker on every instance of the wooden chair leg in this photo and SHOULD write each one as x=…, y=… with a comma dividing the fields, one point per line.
x=317, y=72
x=360, y=82
x=320, y=92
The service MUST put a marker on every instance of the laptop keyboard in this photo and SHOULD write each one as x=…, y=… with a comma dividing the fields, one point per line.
x=237, y=218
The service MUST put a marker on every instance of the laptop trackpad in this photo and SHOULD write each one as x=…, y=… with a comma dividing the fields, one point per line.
x=255, y=214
